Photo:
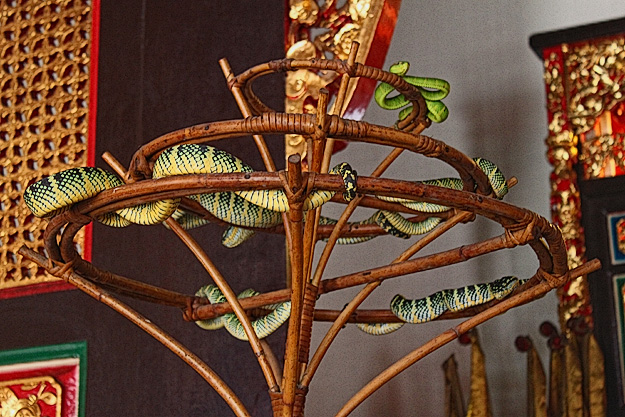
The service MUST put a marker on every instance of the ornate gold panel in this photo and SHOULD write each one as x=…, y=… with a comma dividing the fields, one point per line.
x=25, y=397
x=45, y=56
x=319, y=29
x=583, y=81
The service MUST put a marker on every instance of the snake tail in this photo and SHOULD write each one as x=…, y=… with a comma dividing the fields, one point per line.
x=234, y=236
x=379, y=329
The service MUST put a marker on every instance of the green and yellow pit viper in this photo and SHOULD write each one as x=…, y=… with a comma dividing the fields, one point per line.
x=263, y=326
x=428, y=308
x=433, y=90
x=257, y=208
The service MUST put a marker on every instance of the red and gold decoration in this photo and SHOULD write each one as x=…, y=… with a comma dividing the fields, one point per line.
x=43, y=381
x=36, y=397
x=47, y=119
x=584, y=96
x=323, y=29
x=616, y=237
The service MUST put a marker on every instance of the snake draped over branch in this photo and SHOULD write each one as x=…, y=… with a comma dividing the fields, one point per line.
x=263, y=326
x=257, y=208
x=429, y=308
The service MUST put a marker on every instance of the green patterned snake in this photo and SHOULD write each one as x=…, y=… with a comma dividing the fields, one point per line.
x=428, y=308
x=262, y=326
x=433, y=90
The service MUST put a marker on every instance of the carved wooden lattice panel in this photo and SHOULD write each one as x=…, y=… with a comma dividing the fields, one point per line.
x=46, y=119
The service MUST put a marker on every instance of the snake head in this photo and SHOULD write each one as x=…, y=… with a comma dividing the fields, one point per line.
x=504, y=286
x=495, y=177
x=400, y=68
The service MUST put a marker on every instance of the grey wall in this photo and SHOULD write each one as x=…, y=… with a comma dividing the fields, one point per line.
x=497, y=111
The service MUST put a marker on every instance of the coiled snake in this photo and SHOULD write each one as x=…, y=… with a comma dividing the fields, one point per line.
x=259, y=208
x=433, y=91
x=263, y=326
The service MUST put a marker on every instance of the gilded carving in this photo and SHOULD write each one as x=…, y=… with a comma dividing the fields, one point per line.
x=23, y=397
x=574, y=298
x=595, y=79
x=321, y=28
x=44, y=107
x=603, y=155
x=582, y=81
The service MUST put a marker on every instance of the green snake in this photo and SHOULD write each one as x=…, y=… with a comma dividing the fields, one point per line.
x=263, y=326
x=428, y=308
x=258, y=208
x=433, y=90
x=396, y=225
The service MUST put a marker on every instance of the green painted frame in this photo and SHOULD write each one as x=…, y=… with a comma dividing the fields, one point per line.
x=49, y=352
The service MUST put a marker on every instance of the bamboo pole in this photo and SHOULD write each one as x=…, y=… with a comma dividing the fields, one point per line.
x=295, y=192
x=365, y=292
x=315, y=160
x=223, y=285
x=442, y=339
x=144, y=324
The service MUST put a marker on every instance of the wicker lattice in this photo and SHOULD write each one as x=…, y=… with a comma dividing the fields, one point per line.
x=289, y=384
x=44, y=96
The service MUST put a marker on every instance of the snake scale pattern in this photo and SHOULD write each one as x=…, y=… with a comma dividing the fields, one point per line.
x=429, y=308
x=259, y=208
x=263, y=326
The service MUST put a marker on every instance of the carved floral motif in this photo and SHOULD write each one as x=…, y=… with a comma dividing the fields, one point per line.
x=30, y=397
x=325, y=29
x=582, y=81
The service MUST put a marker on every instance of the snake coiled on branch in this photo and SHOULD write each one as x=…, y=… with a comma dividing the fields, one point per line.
x=249, y=208
x=263, y=326
x=258, y=208
x=433, y=90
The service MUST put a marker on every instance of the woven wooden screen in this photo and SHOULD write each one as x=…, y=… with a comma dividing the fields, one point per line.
x=46, y=119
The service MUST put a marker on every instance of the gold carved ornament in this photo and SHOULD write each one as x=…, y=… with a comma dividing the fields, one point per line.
x=620, y=235
x=43, y=389
x=565, y=199
x=582, y=81
x=322, y=29
x=44, y=108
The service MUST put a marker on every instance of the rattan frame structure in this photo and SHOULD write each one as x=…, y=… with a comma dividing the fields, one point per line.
x=288, y=382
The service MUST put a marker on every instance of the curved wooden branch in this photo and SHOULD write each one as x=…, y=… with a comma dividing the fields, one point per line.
x=146, y=325
x=402, y=364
